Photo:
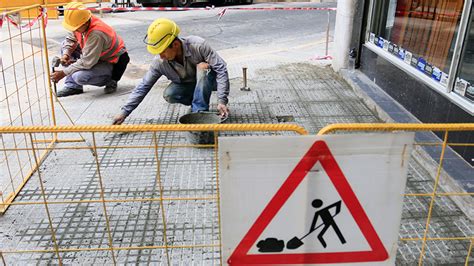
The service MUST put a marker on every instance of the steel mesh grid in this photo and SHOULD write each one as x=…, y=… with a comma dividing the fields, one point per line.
x=277, y=96
x=76, y=225
x=321, y=95
x=418, y=176
x=140, y=164
x=191, y=222
x=65, y=178
x=293, y=109
x=28, y=218
x=200, y=256
x=446, y=221
x=328, y=109
x=309, y=84
x=189, y=172
x=141, y=257
x=439, y=252
x=136, y=224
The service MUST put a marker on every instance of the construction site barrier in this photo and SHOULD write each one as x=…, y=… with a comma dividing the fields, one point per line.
x=26, y=95
x=155, y=178
x=6, y=6
x=144, y=151
x=438, y=191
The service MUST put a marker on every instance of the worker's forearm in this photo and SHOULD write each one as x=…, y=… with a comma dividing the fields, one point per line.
x=223, y=87
x=139, y=93
x=69, y=44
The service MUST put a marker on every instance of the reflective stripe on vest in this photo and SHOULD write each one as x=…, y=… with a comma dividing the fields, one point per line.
x=109, y=55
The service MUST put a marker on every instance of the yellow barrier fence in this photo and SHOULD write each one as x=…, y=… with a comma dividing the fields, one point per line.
x=26, y=95
x=436, y=192
x=49, y=4
x=125, y=194
x=142, y=194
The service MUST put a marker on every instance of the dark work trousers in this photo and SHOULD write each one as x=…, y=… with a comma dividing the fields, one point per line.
x=120, y=66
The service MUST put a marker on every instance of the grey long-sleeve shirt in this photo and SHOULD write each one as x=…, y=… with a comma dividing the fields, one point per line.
x=195, y=51
x=97, y=42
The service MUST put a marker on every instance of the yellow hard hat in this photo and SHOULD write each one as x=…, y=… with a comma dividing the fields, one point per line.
x=161, y=33
x=75, y=18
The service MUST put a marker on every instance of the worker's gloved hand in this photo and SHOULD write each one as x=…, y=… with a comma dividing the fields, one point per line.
x=57, y=76
x=118, y=119
x=223, y=110
x=66, y=60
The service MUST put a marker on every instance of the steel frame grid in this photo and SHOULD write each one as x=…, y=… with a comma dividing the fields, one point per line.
x=26, y=97
x=173, y=219
x=434, y=230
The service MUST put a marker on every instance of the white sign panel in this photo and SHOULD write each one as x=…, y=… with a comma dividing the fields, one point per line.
x=312, y=199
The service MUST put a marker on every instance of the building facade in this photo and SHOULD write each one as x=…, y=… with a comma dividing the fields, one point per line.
x=421, y=53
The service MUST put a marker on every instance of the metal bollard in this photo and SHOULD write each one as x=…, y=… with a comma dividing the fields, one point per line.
x=245, y=88
x=327, y=33
x=100, y=8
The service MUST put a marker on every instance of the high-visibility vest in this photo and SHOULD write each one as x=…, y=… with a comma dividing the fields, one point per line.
x=110, y=54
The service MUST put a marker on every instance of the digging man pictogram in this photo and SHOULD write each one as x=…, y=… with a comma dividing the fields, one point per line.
x=327, y=222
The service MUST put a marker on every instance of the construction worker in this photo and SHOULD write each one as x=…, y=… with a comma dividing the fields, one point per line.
x=193, y=67
x=92, y=53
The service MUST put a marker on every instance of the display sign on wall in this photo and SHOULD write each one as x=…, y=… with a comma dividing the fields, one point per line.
x=409, y=58
x=462, y=87
x=470, y=93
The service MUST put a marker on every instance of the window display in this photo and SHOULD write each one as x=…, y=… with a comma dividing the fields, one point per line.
x=466, y=68
x=423, y=34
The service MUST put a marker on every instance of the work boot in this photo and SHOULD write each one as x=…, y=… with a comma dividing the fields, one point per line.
x=111, y=87
x=68, y=92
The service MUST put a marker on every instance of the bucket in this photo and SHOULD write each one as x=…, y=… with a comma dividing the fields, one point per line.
x=201, y=137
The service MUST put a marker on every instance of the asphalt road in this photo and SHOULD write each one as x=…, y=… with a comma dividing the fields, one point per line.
x=237, y=28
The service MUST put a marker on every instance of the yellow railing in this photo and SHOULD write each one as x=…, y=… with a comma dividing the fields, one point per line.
x=153, y=150
x=26, y=95
x=9, y=5
x=444, y=144
x=165, y=199
x=155, y=128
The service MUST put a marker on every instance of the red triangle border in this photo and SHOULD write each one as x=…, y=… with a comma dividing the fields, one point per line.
x=319, y=152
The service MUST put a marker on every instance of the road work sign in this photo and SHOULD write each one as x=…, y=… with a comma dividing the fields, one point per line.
x=312, y=199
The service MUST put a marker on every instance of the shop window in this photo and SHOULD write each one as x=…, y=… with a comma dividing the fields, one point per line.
x=465, y=82
x=422, y=33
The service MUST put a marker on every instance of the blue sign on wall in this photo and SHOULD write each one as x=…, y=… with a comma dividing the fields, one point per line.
x=420, y=65
x=436, y=75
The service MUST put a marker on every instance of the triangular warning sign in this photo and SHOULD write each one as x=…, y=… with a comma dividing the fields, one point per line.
x=319, y=152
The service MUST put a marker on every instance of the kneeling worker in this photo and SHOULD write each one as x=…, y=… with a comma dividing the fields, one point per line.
x=193, y=67
x=92, y=54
